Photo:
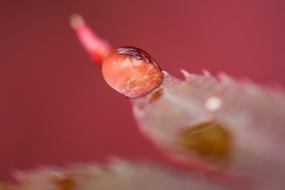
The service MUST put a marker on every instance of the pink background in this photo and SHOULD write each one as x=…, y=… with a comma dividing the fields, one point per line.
x=55, y=107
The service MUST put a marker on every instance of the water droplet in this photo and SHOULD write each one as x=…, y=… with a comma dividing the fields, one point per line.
x=132, y=72
x=213, y=103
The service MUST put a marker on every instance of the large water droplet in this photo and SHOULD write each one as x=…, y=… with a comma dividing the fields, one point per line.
x=131, y=71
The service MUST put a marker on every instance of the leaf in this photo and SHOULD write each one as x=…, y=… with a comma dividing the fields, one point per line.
x=218, y=124
x=118, y=175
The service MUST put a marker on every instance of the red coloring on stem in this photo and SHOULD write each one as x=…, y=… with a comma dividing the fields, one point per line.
x=96, y=47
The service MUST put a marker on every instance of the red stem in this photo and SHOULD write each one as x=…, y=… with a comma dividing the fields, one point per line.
x=95, y=46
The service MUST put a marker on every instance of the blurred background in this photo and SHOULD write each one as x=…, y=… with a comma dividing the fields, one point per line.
x=55, y=107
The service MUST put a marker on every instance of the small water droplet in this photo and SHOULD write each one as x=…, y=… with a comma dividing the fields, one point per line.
x=213, y=103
